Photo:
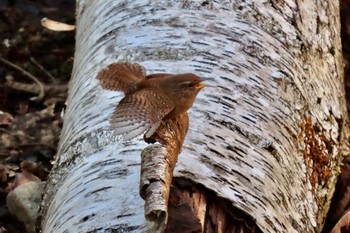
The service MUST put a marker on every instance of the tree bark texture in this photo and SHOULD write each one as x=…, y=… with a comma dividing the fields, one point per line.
x=267, y=139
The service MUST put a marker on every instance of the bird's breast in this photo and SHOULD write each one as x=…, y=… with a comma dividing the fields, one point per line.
x=180, y=107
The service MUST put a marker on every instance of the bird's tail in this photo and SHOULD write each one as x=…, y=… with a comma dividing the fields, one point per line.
x=123, y=77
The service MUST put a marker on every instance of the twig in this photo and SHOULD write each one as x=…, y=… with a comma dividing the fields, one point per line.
x=52, y=78
x=40, y=85
x=17, y=135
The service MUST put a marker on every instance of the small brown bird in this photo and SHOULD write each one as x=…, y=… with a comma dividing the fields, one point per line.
x=148, y=99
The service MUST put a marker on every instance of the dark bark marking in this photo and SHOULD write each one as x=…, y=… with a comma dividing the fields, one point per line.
x=101, y=189
x=103, y=164
x=240, y=175
x=248, y=119
x=114, y=174
x=87, y=217
x=124, y=215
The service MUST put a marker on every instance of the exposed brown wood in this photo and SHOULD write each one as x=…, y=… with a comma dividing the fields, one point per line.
x=192, y=208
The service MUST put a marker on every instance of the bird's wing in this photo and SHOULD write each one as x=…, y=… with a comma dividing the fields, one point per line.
x=139, y=112
x=122, y=76
x=158, y=75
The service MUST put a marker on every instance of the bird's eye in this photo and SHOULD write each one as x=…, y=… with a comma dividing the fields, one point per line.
x=191, y=84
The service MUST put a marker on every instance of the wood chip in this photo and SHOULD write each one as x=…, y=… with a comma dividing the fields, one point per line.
x=56, y=26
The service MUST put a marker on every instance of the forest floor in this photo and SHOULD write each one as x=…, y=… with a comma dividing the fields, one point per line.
x=30, y=125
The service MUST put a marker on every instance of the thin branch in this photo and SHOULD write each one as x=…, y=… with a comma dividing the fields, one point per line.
x=52, y=78
x=40, y=85
x=16, y=135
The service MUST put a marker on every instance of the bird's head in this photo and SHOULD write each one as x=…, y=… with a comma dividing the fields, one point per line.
x=183, y=88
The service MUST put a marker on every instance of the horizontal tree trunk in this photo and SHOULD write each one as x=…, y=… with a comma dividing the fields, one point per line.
x=267, y=139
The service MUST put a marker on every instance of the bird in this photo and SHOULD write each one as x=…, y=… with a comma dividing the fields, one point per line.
x=148, y=99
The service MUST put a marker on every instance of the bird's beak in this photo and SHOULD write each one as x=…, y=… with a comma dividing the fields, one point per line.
x=201, y=84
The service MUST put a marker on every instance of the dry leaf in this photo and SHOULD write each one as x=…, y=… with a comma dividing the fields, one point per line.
x=56, y=26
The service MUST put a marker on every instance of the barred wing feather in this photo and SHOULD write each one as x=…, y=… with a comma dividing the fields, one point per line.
x=139, y=112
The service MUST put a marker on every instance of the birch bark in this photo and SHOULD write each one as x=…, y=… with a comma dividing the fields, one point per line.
x=268, y=138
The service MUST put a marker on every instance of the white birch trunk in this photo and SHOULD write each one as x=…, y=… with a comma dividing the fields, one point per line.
x=275, y=64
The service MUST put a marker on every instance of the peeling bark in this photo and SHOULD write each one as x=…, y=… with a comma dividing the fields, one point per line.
x=157, y=166
x=257, y=142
